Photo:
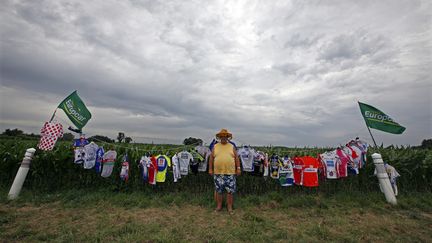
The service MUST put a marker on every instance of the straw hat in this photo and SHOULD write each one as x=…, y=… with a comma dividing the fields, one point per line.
x=224, y=133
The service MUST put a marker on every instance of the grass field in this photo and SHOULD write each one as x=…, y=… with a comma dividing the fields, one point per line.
x=62, y=202
x=100, y=215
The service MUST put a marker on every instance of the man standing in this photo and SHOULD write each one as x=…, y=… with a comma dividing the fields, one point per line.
x=224, y=165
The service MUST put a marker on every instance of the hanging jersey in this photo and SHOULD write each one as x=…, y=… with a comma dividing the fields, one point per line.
x=266, y=166
x=358, y=158
x=393, y=175
x=99, y=159
x=185, y=158
x=80, y=142
x=258, y=163
x=162, y=166
x=246, y=155
x=79, y=150
x=90, y=155
x=298, y=170
x=352, y=169
x=205, y=153
x=310, y=171
x=50, y=132
x=286, y=174
x=359, y=144
x=364, y=152
x=203, y=150
x=274, y=166
x=361, y=150
x=197, y=159
x=330, y=162
x=344, y=160
x=363, y=144
x=365, y=147
x=152, y=170
x=354, y=154
x=143, y=166
x=176, y=168
x=109, y=159
x=124, y=172
x=202, y=167
x=79, y=155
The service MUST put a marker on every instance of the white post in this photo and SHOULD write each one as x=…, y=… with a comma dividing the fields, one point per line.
x=21, y=174
x=383, y=179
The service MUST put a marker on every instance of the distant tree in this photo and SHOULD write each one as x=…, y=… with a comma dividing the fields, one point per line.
x=128, y=139
x=100, y=138
x=13, y=132
x=31, y=136
x=67, y=136
x=192, y=141
x=426, y=143
x=120, y=137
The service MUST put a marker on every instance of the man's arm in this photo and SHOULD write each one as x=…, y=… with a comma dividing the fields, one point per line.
x=237, y=162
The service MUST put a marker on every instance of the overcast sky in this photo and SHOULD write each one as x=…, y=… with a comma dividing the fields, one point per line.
x=272, y=72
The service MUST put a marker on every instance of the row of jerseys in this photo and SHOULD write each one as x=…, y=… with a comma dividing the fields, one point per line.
x=301, y=171
x=153, y=169
x=339, y=163
x=306, y=170
x=344, y=160
x=91, y=156
x=298, y=170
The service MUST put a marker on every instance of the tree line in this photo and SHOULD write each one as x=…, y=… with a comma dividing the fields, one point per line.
x=122, y=138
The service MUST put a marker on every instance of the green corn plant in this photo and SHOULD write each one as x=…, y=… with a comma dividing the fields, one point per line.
x=55, y=170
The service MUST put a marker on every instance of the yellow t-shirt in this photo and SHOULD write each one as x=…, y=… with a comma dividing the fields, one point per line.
x=224, y=162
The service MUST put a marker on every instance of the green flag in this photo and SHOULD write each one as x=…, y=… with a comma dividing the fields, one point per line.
x=378, y=120
x=76, y=110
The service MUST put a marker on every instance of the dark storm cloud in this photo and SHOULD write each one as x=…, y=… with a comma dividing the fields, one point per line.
x=278, y=72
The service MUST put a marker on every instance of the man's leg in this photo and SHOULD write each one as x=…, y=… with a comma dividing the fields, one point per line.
x=230, y=201
x=231, y=189
x=218, y=192
x=219, y=199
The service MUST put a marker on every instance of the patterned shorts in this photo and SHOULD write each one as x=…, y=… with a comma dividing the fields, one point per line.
x=225, y=182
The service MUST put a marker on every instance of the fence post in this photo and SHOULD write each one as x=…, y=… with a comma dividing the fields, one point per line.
x=383, y=179
x=21, y=174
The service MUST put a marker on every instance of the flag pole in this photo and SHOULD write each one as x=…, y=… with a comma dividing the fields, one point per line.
x=52, y=117
x=371, y=135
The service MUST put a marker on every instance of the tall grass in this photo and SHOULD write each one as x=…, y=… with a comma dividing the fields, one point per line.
x=55, y=170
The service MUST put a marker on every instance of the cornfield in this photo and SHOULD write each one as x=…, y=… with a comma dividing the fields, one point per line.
x=55, y=170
